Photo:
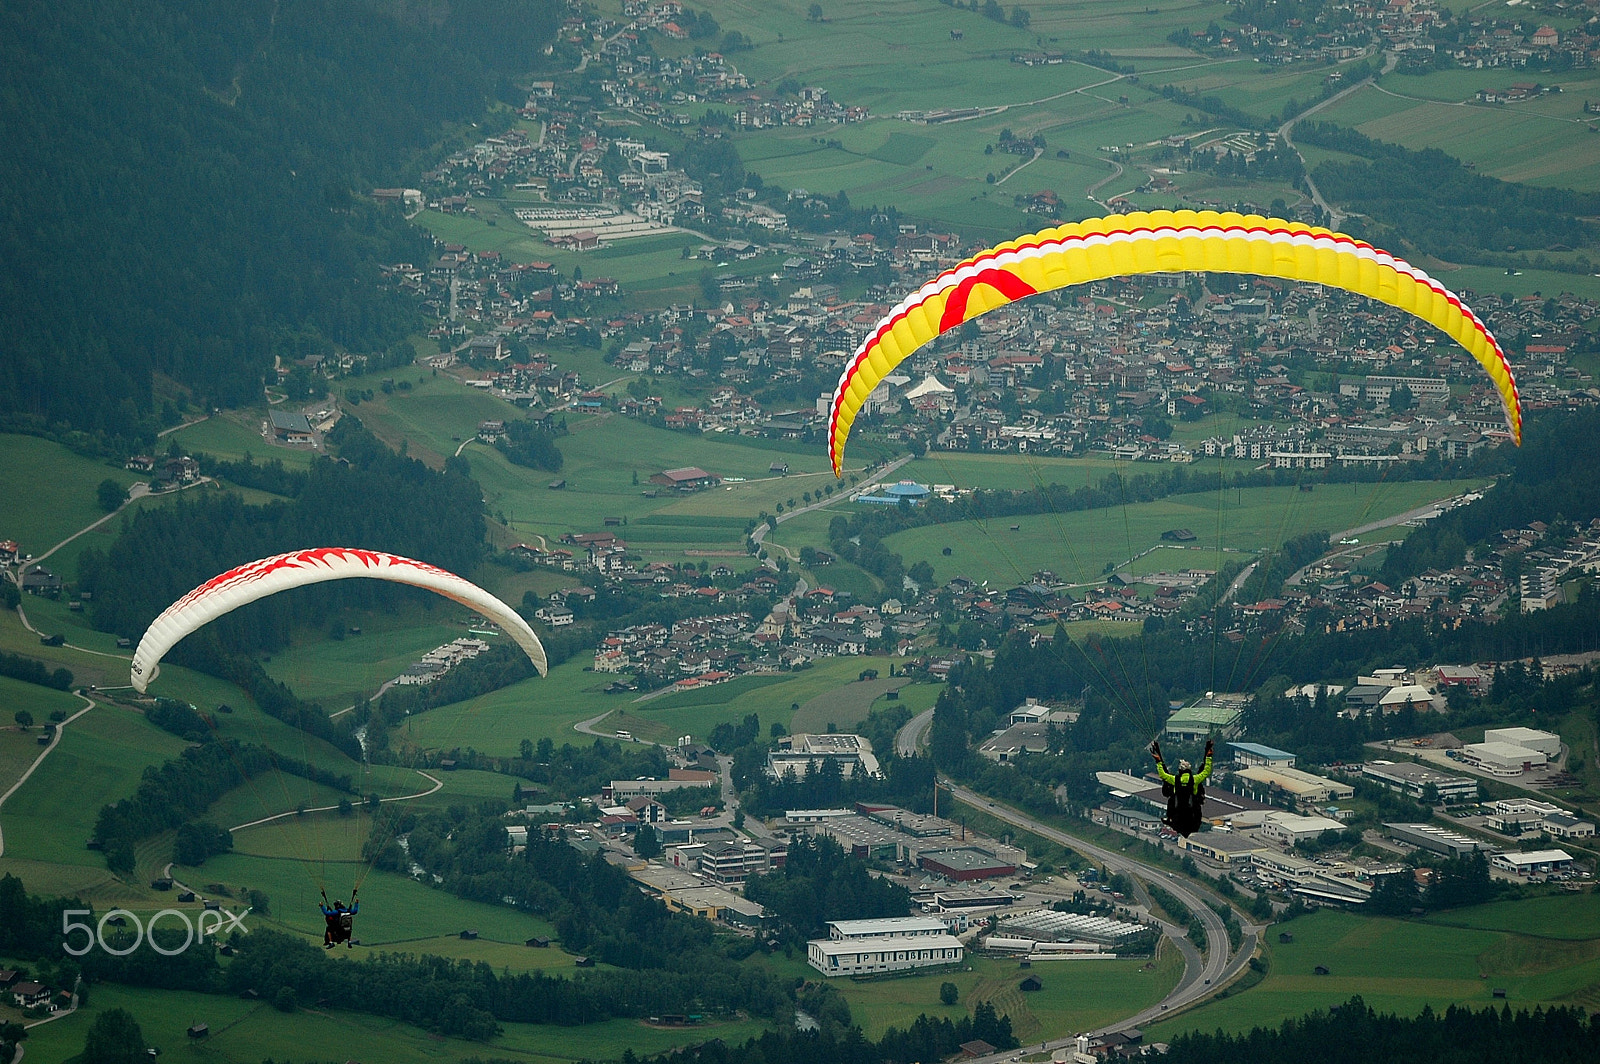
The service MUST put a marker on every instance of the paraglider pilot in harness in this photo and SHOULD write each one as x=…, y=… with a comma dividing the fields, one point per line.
x=1184, y=791
x=341, y=921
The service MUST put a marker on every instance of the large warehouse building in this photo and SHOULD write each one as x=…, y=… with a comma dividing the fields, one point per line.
x=1439, y=840
x=1413, y=780
x=1547, y=743
x=897, y=944
x=1305, y=788
x=1503, y=759
x=962, y=863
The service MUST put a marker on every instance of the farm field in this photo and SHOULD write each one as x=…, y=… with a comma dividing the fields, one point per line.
x=1539, y=141
x=1078, y=546
x=433, y=414
x=396, y=909
x=1403, y=965
x=1570, y=917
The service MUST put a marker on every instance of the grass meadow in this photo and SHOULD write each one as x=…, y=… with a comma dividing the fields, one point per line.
x=535, y=709
x=1078, y=546
x=61, y=487
x=1544, y=141
x=49, y=820
x=1403, y=965
x=235, y=434
x=336, y=672
x=1077, y=995
x=246, y=1032
x=846, y=706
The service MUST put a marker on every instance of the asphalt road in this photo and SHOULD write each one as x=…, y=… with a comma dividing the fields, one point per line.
x=1202, y=976
x=911, y=737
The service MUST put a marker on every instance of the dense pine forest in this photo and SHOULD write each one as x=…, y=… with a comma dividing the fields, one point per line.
x=185, y=188
x=369, y=496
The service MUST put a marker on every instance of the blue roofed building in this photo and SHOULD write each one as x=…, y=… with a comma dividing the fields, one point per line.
x=907, y=491
x=1256, y=754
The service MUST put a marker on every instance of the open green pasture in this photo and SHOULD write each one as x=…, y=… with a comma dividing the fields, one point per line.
x=845, y=577
x=534, y=709
x=1077, y=995
x=509, y=584
x=1521, y=283
x=1253, y=87
x=1078, y=546
x=246, y=1032
x=238, y=433
x=395, y=911
x=769, y=702
x=604, y=456
x=433, y=417
x=335, y=672
x=54, y=617
x=1398, y=966
x=1009, y=472
x=845, y=706
x=1560, y=916
x=16, y=696
x=1546, y=141
x=98, y=760
x=60, y=488
x=872, y=52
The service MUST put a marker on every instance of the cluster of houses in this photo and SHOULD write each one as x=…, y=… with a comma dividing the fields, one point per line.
x=440, y=660
x=1069, y=375
x=1421, y=31
x=27, y=994
x=165, y=472
x=1547, y=562
x=31, y=578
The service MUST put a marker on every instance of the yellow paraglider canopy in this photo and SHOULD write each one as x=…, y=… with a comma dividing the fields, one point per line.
x=1157, y=242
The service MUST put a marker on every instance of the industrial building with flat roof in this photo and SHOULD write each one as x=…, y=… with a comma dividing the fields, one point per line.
x=1536, y=862
x=921, y=825
x=1288, y=867
x=1305, y=788
x=1547, y=743
x=1286, y=829
x=885, y=927
x=796, y=753
x=1256, y=754
x=1411, y=780
x=1221, y=847
x=1212, y=715
x=961, y=864
x=1439, y=840
x=1503, y=759
x=895, y=944
x=682, y=892
x=1047, y=925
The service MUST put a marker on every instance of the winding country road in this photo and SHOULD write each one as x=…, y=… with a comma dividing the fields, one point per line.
x=1334, y=215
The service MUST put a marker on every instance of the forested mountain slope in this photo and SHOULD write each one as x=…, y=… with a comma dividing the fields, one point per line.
x=179, y=181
